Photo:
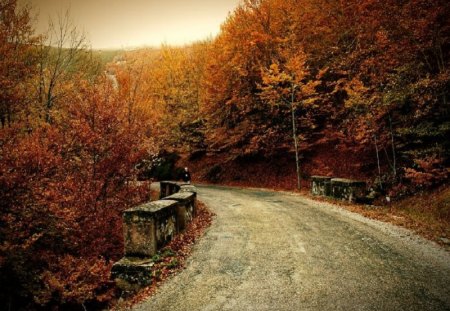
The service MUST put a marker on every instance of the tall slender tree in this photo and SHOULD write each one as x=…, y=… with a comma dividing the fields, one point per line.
x=288, y=86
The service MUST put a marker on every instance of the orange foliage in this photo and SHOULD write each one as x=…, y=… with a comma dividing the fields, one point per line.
x=377, y=69
x=16, y=60
x=63, y=189
x=370, y=81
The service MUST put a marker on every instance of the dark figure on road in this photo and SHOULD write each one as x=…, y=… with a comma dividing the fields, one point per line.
x=186, y=176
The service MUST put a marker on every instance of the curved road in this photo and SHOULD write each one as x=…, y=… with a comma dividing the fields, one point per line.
x=277, y=251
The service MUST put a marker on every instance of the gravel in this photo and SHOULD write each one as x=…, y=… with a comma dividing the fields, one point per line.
x=277, y=251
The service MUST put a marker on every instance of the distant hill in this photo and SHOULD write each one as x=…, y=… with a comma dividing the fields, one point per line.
x=107, y=56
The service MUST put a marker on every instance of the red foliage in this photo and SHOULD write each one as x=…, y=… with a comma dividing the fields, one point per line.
x=378, y=74
x=63, y=188
x=371, y=102
x=428, y=172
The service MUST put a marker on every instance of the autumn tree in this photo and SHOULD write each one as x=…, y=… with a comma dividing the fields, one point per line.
x=63, y=189
x=288, y=86
x=237, y=119
x=62, y=54
x=16, y=61
x=378, y=75
x=63, y=183
x=395, y=62
x=167, y=82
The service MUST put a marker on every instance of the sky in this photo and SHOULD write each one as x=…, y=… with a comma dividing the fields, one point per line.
x=135, y=23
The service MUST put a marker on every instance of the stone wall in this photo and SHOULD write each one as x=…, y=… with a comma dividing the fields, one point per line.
x=338, y=188
x=321, y=185
x=148, y=228
x=185, y=210
x=168, y=188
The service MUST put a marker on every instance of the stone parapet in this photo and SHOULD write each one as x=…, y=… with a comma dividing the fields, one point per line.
x=347, y=189
x=148, y=228
x=321, y=185
x=131, y=273
x=186, y=210
x=168, y=188
x=338, y=188
x=188, y=188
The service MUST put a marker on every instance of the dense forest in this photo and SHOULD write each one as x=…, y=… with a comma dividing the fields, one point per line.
x=366, y=84
x=350, y=88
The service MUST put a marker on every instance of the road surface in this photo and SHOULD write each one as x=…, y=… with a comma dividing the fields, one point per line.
x=278, y=251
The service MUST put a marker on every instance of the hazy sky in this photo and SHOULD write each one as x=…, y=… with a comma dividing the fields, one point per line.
x=130, y=23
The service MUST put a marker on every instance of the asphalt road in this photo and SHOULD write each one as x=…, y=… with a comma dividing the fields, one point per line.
x=277, y=251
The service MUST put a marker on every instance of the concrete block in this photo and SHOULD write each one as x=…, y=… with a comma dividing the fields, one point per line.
x=347, y=189
x=186, y=210
x=148, y=227
x=321, y=185
x=131, y=273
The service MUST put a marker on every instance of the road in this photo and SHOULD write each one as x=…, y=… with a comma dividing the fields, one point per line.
x=278, y=251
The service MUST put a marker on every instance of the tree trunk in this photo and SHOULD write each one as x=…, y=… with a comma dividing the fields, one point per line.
x=294, y=135
x=394, y=158
x=378, y=161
